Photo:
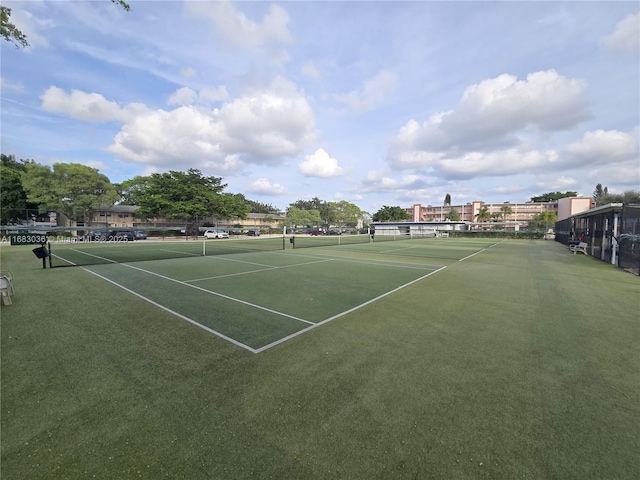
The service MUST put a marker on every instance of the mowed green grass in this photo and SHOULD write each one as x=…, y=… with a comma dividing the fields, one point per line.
x=518, y=362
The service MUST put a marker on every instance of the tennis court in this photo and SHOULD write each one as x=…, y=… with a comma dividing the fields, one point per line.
x=257, y=294
x=446, y=358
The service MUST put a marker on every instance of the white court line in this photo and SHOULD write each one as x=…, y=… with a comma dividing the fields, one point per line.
x=379, y=263
x=219, y=294
x=258, y=271
x=357, y=307
x=469, y=256
x=480, y=251
x=399, y=249
x=92, y=255
x=177, y=251
x=173, y=312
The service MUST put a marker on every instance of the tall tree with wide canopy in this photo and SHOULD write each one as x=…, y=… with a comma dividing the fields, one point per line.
x=69, y=188
x=345, y=214
x=186, y=195
x=298, y=217
x=391, y=214
x=553, y=196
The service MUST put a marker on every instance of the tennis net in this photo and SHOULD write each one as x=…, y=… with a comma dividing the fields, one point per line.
x=67, y=253
x=309, y=241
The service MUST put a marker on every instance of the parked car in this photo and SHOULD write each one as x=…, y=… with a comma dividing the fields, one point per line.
x=140, y=235
x=334, y=232
x=317, y=231
x=253, y=233
x=215, y=234
x=123, y=235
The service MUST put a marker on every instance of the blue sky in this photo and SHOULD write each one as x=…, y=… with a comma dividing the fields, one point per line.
x=376, y=103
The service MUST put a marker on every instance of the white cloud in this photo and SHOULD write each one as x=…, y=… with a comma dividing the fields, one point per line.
x=320, y=164
x=183, y=96
x=262, y=186
x=188, y=96
x=487, y=134
x=213, y=95
x=374, y=92
x=626, y=35
x=7, y=86
x=551, y=182
x=234, y=26
x=264, y=126
x=602, y=147
x=91, y=107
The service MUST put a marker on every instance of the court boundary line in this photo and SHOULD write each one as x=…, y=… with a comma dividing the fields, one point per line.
x=266, y=269
x=346, y=312
x=236, y=342
x=211, y=292
x=173, y=312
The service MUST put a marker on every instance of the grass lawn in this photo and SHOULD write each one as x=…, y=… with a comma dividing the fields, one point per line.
x=522, y=361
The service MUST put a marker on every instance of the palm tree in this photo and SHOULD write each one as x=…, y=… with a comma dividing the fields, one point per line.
x=483, y=215
x=505, y=210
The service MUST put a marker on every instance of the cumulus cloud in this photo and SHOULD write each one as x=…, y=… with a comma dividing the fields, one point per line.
x=626, y=35
x=373, y=93
x=91, y=107
x=234, y=26
x=602, y=146
x=265, y=126
x=262, y=186
x=320, y=164
x=486, y=134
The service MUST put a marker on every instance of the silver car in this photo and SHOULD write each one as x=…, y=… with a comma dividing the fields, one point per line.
x=215, y=234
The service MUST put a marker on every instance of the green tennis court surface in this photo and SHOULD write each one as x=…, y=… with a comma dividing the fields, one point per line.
x=256, y=300
x=517, y=360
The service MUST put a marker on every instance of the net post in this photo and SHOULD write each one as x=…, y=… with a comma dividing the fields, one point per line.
x=49, y=252
x=204, y=247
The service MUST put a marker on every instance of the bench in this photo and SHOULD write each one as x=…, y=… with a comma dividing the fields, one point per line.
x=580, y=247
x=6, y=287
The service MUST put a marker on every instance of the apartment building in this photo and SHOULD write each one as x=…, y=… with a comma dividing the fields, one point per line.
x=521, y=213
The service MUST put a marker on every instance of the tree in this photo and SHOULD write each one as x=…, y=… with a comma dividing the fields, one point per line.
x=184, y=195
x=483, y=215
x=324, y=209
x=391, y=214
x=598, y=193
x=553, y=196
x=345, y=214
x=11, y=33
x=298, y=217
x=629, y=196
x=267, y=208
x=505, y=211
x=453, y=215
x=70, y=188
x=543, y=221
x=447, y=200
x=13, y=198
